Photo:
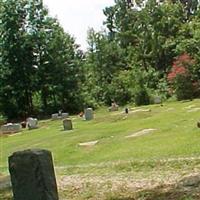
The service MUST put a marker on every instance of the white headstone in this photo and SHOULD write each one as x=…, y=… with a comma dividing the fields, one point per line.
x=65, y=115
x=88, y=114
x=32, y=123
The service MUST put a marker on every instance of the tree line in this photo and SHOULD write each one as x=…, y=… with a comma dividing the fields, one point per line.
x=148, y=48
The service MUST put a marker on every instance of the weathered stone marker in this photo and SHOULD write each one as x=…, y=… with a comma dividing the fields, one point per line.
x=11, y=128
x=67, y=124
x=88, y=114
x=32, y=175
x=32, y=123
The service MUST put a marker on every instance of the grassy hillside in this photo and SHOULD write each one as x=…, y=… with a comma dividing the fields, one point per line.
x=176, y=135
x=172, y=148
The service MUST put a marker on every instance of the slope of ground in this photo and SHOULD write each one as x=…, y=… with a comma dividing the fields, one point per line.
x=146, y=164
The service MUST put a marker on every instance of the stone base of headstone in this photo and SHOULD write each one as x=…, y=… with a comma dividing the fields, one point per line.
x=54, y=116
x=64, y=115
x=32, y=175
x=10, y=128
x=88, y=114
x=67, y=124
x=114, y=107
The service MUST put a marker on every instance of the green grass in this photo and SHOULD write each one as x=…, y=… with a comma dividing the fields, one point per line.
x=176, y=136
x=173, y=149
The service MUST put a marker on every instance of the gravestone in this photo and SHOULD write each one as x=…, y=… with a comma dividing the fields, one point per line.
x=10, y=128
x=32, y=123
x=67, y=124
x=54, y=116
x=32, y=175
x=88, y=114
x=157, y=100
x=65, y=115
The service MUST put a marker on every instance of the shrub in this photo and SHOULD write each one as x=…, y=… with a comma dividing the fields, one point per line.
x=141, y=96
x=180, y=77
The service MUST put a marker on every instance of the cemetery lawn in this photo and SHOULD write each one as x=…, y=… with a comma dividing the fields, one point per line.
x=171, y=149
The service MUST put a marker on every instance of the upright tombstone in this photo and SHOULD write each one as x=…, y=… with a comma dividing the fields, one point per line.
x=32, y=175
x=157, y=100
x=67, y=124
x=88, y=114
x=32, y=123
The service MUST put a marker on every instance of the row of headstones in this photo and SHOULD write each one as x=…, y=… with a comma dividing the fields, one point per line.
x=56, y=116
x=32, y=123
x=88, y=115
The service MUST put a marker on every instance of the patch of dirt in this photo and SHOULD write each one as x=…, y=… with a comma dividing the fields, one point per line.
x=189, y=107
x=4, y=182
x=124, y=187
x=170, y=109
x=140, y=133
x=194, y=110
x=88, y=144
x=140, y=110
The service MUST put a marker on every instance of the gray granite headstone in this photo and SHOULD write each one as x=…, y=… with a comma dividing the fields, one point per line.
x=54, y=116
x=157, y=100
x=88, y=114
x=11, y=128
x=67, y=124
x=32, y=175
x=65, y=115
x=32, y=123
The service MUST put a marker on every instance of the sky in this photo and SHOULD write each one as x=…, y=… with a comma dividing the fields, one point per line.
x=76, y=16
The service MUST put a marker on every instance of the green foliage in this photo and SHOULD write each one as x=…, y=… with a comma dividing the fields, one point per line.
x=183, y=87
x=121, y=88
x=37, y=58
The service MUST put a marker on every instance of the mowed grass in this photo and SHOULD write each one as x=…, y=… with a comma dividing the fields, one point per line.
x=176, y=136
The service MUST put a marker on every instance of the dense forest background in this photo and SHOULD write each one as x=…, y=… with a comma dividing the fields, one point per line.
x=148, y=49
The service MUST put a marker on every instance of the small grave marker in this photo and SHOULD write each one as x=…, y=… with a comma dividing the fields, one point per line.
x=67, y=123
x=88, y=114
x=32, y=123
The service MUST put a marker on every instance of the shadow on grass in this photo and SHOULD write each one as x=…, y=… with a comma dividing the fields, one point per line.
x=186, y=189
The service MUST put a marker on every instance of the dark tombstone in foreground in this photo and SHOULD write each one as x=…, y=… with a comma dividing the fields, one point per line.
x=32, y=175
x=198, y=124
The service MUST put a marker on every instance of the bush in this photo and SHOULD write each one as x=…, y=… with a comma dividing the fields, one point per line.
x=141, y=97
x=183, y=88
x=180, y=78
x=120, y=89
